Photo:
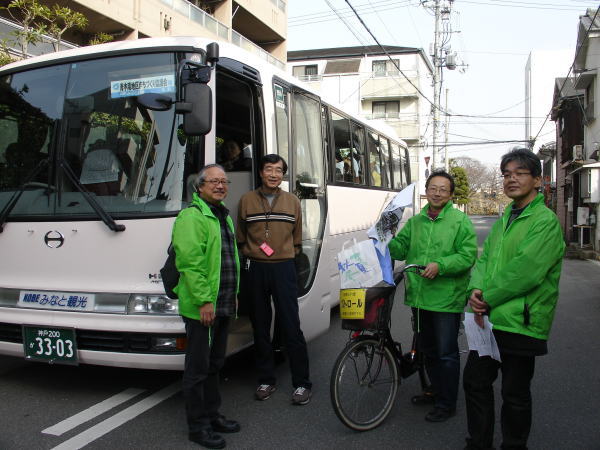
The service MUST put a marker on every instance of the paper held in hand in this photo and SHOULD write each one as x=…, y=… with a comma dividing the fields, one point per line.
x=389, y=221
x=481, y=340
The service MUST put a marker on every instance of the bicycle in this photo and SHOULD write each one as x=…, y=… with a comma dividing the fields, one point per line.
x=366, y=374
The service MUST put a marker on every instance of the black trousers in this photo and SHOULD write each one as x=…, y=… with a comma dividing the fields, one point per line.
x=478, y=378
x=277, y=280
x=201, y=372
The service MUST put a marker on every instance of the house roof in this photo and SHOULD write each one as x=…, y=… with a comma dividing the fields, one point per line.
x=566, y=94
x=568, y=88
x=354, y=52
x=583, y=35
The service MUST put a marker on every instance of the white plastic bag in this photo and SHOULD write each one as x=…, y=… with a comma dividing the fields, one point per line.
x=358, y=265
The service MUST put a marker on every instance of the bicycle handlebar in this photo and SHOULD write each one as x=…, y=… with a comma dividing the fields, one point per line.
x=399, y=275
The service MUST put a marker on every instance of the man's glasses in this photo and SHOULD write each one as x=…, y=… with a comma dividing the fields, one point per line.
x=434, y=190
x=217, y=182
x=518, y=175
x=271, y=170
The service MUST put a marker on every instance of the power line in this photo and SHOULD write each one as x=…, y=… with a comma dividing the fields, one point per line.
x=539, y=6
x=396, y=65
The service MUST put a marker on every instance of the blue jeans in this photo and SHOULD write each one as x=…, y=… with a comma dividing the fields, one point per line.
x=438, y=340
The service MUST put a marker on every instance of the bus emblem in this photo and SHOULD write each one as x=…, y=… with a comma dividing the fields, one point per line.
x=54, y=239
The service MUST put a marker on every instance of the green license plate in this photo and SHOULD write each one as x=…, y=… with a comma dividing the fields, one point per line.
x=53, y=345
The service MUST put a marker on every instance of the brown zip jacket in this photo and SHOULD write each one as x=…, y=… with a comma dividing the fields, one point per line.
x=279, y=225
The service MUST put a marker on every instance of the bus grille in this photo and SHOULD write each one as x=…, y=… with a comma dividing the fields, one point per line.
x=104, y=341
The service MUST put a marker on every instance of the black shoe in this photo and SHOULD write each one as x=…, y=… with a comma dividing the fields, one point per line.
x=223, y=425
x=423, y=399
x=207, y=439
x=439, y=415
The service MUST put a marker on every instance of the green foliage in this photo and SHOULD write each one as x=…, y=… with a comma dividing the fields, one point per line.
x=100, y=38
x=61, y=19
x=461, y=190
x=37, y=20
x=30, y=15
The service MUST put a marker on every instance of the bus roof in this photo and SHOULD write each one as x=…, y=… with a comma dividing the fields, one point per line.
x=183, y=43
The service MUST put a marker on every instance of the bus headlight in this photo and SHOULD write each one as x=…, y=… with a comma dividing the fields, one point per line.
x=152, y=304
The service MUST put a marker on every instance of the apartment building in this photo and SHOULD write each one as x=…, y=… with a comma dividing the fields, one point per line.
x=366, y=82
x=259, y=26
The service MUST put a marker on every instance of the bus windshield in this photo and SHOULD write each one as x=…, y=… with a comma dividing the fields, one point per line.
x=85, y=115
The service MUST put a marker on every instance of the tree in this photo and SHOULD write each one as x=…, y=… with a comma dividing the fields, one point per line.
x=461, y=185
x=37, y=20
x=61, y=19
x=100, y=38
x=30, y=15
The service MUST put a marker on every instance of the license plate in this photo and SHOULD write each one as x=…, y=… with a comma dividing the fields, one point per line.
x=53, y=345
x=64, y=301
x=352, y=303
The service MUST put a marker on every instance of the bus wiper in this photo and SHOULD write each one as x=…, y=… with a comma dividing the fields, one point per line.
x=106, y=218
x=17, y=195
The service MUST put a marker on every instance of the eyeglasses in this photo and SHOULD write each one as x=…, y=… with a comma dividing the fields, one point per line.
x=273, y=170
x=518, y=175
x=434, y=190
x=217, y=182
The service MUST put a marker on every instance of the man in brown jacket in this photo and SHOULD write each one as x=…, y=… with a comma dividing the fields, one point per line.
x=269, y=234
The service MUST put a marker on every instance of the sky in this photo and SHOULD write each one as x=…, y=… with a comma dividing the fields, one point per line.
x=493, y=37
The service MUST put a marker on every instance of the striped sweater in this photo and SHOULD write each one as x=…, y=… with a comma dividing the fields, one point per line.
x=279, y=225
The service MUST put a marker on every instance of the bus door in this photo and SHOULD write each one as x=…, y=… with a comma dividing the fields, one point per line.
x=307, y=181
x=239, y=134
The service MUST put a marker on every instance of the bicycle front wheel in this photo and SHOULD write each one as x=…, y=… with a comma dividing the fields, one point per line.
x=363, y=384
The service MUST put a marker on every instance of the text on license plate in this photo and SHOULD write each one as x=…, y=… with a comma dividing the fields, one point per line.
x=54, y=345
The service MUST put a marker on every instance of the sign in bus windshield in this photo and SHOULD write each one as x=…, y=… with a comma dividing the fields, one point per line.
x=138, y=86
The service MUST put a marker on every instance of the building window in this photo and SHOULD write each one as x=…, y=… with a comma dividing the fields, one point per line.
x=589, y=101
x=306, y=73
x=386, y=67
x=386, y=110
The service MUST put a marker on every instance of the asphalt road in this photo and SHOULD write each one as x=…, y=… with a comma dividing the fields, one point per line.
x=110, y=408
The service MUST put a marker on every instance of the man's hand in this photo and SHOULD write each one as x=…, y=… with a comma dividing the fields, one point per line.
x=431, y=270
x=207, y=314
x=478, y=305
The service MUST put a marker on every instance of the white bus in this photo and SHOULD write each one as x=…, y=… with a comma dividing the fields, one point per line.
x=98, y=149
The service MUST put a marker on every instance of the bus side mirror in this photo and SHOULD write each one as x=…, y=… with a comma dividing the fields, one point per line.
x=196, y=109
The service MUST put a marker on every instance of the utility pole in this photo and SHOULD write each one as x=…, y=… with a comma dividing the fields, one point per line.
x=441, y=56
x=446, y=161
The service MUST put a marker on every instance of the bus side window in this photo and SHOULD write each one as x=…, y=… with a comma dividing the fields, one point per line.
x=385, y=162
x=282, y=121
x=358, y=154
x=341, y=137
x=396, y=166
x=374, y=159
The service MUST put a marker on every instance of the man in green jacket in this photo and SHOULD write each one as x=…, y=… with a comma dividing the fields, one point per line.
x=515, y=281
x=206, y=257
x=443, y=239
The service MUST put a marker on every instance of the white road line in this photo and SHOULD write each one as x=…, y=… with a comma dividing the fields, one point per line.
x=99, y=430
x=91, y=412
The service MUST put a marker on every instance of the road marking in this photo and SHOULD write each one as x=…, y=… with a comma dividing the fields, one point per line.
x=93, y=411
x=99, y=430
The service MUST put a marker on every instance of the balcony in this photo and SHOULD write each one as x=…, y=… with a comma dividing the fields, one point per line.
x=406, y=125
x=208, y=22
x=389, y=86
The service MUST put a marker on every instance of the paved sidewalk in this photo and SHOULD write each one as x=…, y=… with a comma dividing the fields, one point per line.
x=566, y=386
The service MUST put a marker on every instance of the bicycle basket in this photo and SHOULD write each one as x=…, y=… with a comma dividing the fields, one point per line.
x=378, y=307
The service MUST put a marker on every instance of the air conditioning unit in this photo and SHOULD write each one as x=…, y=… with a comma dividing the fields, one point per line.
x=577, y=152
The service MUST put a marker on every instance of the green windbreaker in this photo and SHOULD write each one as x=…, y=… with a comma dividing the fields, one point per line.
x=519, y=270
x=450, y=241
x=197, y=241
